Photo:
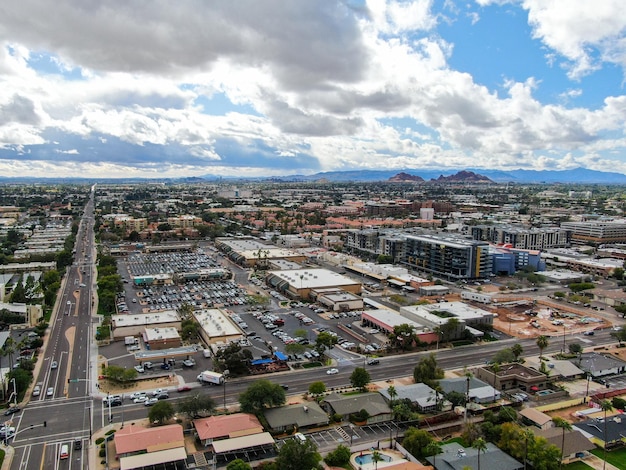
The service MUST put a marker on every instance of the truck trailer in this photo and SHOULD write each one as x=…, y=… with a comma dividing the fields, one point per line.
x=210, y=377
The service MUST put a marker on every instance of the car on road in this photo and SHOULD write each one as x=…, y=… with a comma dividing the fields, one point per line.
x=589, y=333
x=7, y=431
x=332, y=371
x=54, y=365
x=37, y=390
x=373, y=362
x=284, y=386
x=11, y=410
x=140, y=369
x=140, y=399
x=137, y=394
x=78, y=444
x=50, y=391
x=183, y=388
x=158, y=391
x=150, y=401
x=163, y=396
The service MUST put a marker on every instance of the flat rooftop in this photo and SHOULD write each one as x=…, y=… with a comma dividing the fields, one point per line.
x=166, y=316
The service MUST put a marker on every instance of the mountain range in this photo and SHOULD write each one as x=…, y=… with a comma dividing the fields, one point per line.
x=576, y=175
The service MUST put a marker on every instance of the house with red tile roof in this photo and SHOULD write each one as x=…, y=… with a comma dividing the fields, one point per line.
x=137, y=446
x=216, y=428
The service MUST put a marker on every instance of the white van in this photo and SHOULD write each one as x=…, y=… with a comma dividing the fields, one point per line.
x=65, y=452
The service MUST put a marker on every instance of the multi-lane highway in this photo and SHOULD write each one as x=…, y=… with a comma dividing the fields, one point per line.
x=63, y=412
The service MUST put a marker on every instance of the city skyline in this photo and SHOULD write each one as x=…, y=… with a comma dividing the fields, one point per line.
x=191, y=88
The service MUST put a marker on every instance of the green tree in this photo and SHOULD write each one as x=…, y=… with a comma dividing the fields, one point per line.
x=338, y=457
x=575, y=348
x=517, y=351
x=619, y=335
x=360, y=378
x=238, y=464
x=161, y=412
x=260, y=395
x=426, y=371
x=296, y=455
x=325, y=341
x=565, y=426
x=416, y=442
x=295, y=348
x=542, y=343
x=432, y=449
x=19, y=293
x=504, y=356
x=449, y=328
x=196, y=406
x=402, y=337
x=393, y=394
x=317, y=388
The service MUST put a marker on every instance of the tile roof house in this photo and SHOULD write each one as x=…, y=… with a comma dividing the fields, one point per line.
x=216, y=428
x=297, y=416
x=456, y=457
x=137, y=446
x=345, y=406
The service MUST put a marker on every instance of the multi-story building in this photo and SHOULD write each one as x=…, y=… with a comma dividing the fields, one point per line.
x=595, y=232
x=521, y=238
x=448, y=256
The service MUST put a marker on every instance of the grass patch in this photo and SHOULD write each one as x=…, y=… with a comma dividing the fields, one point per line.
x=2, y=454
x=577, y=466
x=615, y=457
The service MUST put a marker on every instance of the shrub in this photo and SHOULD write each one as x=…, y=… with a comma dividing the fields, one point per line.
x=100, y=440
x=102, y=453
x=338, y=457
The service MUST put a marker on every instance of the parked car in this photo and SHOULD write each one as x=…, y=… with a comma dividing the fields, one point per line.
x=148, y=365
x=140, y=369
x=165, y=366
x=189, y=363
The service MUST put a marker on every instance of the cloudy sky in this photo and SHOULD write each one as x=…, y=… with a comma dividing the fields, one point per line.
x=155, y=88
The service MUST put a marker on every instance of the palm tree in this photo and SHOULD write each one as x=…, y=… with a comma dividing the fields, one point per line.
x=376, y=457
x=393, y=394
x=605, y=405
x=542, y=343
x=480, y=445
x=517, y=350
x=565, y=426
x=433, y=448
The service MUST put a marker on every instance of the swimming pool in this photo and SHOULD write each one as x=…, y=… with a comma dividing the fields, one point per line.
x=544, y=392
x=367, y=458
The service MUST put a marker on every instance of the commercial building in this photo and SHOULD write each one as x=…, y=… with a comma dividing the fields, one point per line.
x=596, y=232
x=217, y=327
x=299, y=283
x=136, y=324
x=447, y=256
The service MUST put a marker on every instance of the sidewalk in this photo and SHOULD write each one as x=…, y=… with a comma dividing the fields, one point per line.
x=9, y=452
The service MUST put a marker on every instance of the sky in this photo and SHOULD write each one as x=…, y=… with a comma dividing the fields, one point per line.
x=156, y=88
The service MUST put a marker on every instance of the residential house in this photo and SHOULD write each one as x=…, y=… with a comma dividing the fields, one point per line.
x=594, y=430
x=575, y=444
x=297, y=416
x=453, y=456
x=514, y=376
x=426, y=399
x=599, y=365
x=479, y=391
x=215, y=428
x=347, y=405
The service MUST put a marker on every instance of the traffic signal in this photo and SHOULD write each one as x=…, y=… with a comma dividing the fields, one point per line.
x=45, y=424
